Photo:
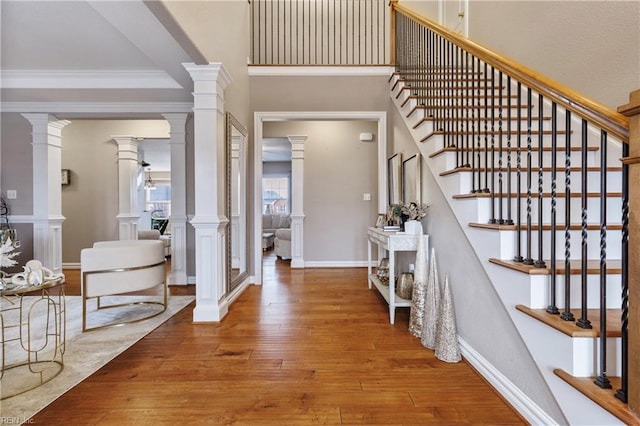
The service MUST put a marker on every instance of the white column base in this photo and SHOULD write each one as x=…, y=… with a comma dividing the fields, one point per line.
x=297, y=241
x=47, y=242
x=211, y=269
x=128, y=227
x=178, y=274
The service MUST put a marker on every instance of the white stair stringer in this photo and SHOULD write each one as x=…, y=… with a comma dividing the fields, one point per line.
x=549, y=348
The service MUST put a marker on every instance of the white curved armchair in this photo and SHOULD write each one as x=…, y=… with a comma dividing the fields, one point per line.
x=116, y=267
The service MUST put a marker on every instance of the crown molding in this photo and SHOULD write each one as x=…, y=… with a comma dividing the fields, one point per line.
x=98, y=107
x=87, y=79
x=315, y=71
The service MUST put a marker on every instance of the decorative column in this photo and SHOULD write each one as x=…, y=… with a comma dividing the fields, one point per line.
x=47, y=189
x=297, y=200
x=128, y=215
x=632, y=110
x=178, y=219
x=209, y=221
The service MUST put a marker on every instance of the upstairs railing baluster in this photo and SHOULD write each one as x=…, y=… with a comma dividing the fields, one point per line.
x=493, y=149
x=509, y=220
x=500, y=161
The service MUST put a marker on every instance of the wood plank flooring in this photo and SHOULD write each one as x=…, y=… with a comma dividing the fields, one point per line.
x=310, y=346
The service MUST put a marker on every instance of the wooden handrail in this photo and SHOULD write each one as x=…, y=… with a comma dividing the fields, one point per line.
x=608, y=119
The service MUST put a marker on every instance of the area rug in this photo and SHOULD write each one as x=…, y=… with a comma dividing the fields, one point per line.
x=87, y=352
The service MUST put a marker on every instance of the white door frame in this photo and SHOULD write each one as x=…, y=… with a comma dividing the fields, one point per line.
x=260, y=117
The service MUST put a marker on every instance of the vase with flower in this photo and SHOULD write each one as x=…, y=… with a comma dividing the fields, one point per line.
x=410, y=213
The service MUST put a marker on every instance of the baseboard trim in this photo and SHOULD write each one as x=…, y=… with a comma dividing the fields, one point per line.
x=518, y=399
x=71, y=265
x=336, y=264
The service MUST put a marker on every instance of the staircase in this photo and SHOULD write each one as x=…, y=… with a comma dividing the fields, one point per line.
x=497, y=202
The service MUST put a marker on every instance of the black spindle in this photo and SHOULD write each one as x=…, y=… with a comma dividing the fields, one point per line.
x=552, y=308
x=583, y=321
x=566, y=314
x=621, y=393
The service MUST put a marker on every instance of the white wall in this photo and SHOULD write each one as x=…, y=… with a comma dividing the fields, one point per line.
x=90, y=202
x=589, y=46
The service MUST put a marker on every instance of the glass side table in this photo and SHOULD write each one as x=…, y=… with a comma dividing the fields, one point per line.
x=33, y=328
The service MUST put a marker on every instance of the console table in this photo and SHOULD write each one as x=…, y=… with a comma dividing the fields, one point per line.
x=392, y=242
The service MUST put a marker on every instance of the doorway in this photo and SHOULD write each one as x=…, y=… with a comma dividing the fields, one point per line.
x=260, y=118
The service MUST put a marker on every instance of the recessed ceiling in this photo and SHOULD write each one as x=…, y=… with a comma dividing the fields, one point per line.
x=92, y=52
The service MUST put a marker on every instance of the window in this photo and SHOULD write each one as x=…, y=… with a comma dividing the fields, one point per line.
x=275, y=195
x=158, y=200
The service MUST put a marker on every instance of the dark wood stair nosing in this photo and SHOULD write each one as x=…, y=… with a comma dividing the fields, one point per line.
x=614, y=266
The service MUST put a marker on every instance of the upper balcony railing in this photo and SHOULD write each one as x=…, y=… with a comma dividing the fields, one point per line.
x=320, y=32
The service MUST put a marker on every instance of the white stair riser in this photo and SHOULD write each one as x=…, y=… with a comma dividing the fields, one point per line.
x=476, y=157
x=541, y=291
x=613, y=247
x=468, y=180
x=614, y=210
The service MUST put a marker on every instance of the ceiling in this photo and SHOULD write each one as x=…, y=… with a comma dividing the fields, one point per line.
x=93, y=58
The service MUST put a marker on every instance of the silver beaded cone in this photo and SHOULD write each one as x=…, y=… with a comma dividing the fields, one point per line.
x=419, y=285
x=447, y=348
x=431, y=306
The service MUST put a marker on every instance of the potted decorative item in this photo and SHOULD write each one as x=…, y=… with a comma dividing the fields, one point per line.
x=6, y=259
x=409, y=213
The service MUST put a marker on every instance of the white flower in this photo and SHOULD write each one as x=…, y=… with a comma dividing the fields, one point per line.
x=6, y=255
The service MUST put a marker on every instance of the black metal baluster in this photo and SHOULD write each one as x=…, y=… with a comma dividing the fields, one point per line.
x=528, y=260
x=475, y=108
x=552, y=308
x=493, y=149
x=602, y=380
x=539, y=262
x=583, y=321
x=518, y=257
x=621, y=393
x=567, y=315
x=486, y=132
x=509, y=219
x=468, y=110
x=500, y=160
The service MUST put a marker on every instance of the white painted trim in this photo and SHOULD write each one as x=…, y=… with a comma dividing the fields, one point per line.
x=516, y=397
x=326, y=71
x=98, y=107
x=259, y=117
x=87, y=79
x=21, y=219
x=71, y=265
x=336, y=264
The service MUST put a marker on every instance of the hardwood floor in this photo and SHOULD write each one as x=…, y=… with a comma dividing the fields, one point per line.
x=309, y=346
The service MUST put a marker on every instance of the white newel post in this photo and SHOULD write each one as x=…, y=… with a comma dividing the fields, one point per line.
x=297, y=205
x=178, y=219
x=128, y=212
x=47, y=189
x=209, y=221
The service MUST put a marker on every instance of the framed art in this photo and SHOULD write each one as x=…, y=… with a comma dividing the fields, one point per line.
x=380, y=221
x=394, y=177
x=411, y=180
x=64, y=176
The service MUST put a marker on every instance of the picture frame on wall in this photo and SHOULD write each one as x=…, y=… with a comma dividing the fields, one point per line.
x=394, y=176
x=411, y=177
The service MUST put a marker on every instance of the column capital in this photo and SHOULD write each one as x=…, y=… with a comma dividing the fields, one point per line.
x=177, y=121
x=214, y=71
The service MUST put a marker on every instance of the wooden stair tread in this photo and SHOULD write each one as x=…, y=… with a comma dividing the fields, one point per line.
x=614, y=323
x=546, y=226
x=614, y=266
x=603, y=397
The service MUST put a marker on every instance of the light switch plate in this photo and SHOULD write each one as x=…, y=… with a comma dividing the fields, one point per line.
x=12, y=194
